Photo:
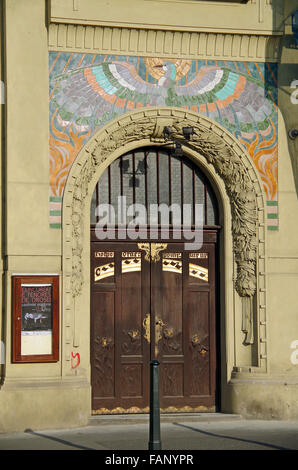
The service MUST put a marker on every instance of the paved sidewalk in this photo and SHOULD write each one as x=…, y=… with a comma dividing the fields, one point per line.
x=192, y=432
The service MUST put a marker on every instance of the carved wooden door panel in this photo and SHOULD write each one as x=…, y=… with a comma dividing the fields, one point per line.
x=120, y=304
x=183, y=301
x=151, y=301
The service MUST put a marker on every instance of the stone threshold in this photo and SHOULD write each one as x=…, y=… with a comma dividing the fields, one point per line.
x=143, y=418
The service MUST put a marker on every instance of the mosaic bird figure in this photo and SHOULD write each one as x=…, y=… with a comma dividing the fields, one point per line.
x=91, y=96
x=169, y=76
x=234, y=100
x=238, y=96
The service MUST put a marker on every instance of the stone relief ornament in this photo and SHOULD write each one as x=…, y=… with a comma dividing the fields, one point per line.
x=243, y=208
x=226, y=161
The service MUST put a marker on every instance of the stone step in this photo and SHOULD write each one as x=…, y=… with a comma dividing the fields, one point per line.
x=164, y=418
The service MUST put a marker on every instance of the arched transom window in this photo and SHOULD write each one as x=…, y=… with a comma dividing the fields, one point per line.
x=154, y=176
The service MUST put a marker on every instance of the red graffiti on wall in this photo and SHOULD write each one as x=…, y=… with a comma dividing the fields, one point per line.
x=75, y=360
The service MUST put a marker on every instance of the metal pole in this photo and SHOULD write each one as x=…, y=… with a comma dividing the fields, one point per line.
x=154, y=431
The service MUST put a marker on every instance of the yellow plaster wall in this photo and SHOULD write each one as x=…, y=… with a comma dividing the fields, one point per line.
x=282, y=279
x=2, y=150
x=27, y=166
x=282, y=247
x=31, y=246
x=185, y=15
x=44, y=406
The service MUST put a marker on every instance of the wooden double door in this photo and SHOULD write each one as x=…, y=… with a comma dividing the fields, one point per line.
x=153, y=301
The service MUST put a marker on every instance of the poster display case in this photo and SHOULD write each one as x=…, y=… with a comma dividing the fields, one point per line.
x=35, y=322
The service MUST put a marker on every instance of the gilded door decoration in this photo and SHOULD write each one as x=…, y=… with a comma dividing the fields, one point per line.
x=131, y=254
x=172, y=265
x=145, y=247
x=171, y=340
x=200, y=358
x=134, y=335
x=103, y=254
x=198, y=271
x=198, y=255
x=105, y=342
x=120, y=410
x=106, y=270
x=132, y=342
x=131, y=265
x=195, y=341
x=152, y=250
x=156, y=248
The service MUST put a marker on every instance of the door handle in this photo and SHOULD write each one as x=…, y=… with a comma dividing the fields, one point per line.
x=158, y=329
x=159, y=324
x=146, y=326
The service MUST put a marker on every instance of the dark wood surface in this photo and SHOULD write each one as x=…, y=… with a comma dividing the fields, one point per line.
x=120, y=353
x=182, y=326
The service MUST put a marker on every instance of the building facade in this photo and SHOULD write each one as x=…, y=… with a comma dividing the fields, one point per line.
x=180, y=104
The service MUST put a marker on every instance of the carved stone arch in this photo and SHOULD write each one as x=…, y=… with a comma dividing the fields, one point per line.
x=211, y=141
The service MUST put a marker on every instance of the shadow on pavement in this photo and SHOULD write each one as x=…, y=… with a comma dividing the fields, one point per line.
x=207, y=433
x=56, y=439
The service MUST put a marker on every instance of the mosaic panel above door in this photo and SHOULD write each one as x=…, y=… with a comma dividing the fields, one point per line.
x=88, y=90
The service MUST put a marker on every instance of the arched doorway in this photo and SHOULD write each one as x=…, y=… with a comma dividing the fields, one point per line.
x=153, y=294
x=242, y=246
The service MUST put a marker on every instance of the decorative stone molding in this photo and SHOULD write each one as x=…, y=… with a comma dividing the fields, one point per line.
x=148, y=43
x=228, y=164
x=217, y=146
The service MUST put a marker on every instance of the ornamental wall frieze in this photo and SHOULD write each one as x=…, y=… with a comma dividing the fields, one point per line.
x=147, y=43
